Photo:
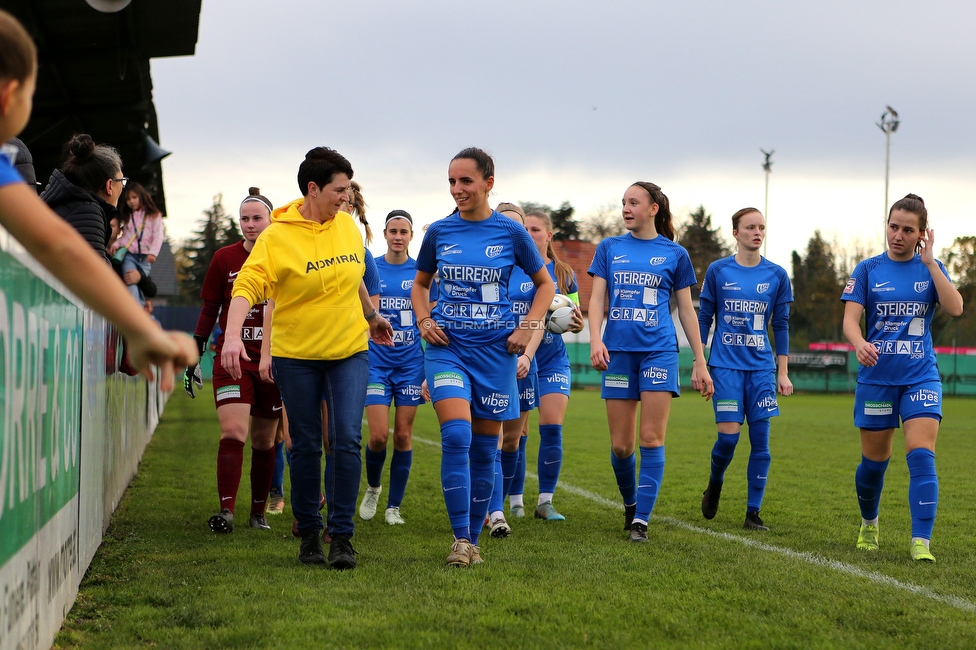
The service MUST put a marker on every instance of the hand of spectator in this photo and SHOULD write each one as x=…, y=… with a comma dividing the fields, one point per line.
x=132, y=276
x=167, y=350
x=151, y=259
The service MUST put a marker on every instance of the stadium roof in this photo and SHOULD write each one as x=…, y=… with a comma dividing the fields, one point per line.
x=94, y=76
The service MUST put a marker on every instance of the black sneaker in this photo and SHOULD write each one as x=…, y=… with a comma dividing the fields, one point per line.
x=222, y=522
x=710, y=499
x=638, y=532
x=259, y=521
x=753, y=522
x=341, y=553
x=311, y=549
x=629, y=512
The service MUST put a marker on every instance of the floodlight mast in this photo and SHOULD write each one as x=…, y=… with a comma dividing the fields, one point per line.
x=889, y=124
x=768, y=168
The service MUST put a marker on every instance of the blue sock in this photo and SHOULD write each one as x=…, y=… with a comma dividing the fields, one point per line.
x=923, y=491
x=455, y=479
x=550, y=456
x=278, y=479
x=649, y=484
x=482, y=457
x=374, y=466
x=498, y=490
x=869, y=481
x=759, y=460
x=625, y=469
x=399, y=473
x=722, y=452
x=509, y=467
x=518, y=483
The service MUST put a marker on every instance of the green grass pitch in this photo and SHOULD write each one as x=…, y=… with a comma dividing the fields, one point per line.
x=162, y=579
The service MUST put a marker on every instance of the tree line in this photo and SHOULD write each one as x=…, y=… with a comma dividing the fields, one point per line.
x=819, y=273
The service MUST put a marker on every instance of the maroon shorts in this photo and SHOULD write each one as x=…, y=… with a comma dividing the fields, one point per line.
x=264, y=398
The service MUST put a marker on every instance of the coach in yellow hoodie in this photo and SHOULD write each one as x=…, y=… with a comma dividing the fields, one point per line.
x=310, y=261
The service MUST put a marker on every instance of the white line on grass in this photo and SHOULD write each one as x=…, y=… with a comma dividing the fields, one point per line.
x=809, y=558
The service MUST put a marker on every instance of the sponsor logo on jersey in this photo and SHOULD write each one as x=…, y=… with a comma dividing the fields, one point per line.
x=316, y=265
x=394, y=303
x=403, y=337
x=464, y=273
x=926, y=396
x=228, y=392
x=914, y=349
x=737, y=321
x=900, y=308
x=878, y=408
x=727, y=405
x=616, y=381
x=493, y=251
x=497, y=401
x=526, y=287
x=442, y=379
x=890, y=325
x=375, y=390
x=757, y=341
x=881, y=287
x=731, y=286
x=657, y=261
x=406, y=284
x=746, y=306
x=451, y=250
x=762, y=287
x=850, y=285
x=646, y=316
x=478, y=311
x=654, y=373
x=411, y=390
x=557, y=378
x=527, y=395
x=769, y=403
x=637, y=278
x=921, y=286
x=620, y=259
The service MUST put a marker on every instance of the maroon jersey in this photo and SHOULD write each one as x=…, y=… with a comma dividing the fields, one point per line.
x=216, y=294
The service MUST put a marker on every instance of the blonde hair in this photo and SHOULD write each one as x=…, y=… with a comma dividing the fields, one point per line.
x=357, y=208
x=564, y=272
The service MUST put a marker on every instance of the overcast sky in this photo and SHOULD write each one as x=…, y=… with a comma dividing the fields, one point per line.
x=577, y=100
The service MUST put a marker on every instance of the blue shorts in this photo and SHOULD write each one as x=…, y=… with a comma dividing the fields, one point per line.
x=528, y=390
x=631, y=373
x=402, y=385
x=879, y=407
x=484, y=376
x=555, y=379
x=744, y=394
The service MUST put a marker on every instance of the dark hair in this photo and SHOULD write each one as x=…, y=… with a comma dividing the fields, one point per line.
x=89, y=165
x=357, y=208
x=741, y=213
x=319, y=166
x=564, y=272
x=481, y=159
x=149, y=208
x=913, y=203
x=18, y=54
x=399, y=214
x=662, y=221
x=254, y=196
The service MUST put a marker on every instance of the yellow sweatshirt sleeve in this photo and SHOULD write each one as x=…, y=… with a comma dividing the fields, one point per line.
x=257, y=278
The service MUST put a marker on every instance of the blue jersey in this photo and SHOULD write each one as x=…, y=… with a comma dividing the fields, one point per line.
x=899, y=301
x=8, y=175
x=474, y=260
x=371, y=276
x=521, y=291
x=395, y=283
x=553, y=349
x=745, y=302
x=641, y=275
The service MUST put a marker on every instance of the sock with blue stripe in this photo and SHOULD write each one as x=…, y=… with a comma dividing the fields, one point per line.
x=518, y=482
x=722, y=452
x=455, y=479
x=923, y=491
x=374, y=466
x=399, y=473
x=625, y=469
x=482, y=458
x=649, y=482
x=759, y=461
x=498, y=490
x=550, y=456
x=278, y=480
x=869, y=482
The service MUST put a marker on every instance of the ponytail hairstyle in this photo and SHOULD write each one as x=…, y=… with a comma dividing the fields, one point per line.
x=913, y=203
x=89, y=165
x=357, y=208
x=662, y=220
x=564, y=272
x=511, y=207
x=254, y=196
x=18, y=55
x=149, y=209
x=481, y=159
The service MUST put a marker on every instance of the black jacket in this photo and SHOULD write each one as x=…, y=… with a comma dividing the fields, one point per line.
x=88, y=214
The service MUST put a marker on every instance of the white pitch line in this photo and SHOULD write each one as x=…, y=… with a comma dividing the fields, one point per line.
x=809, y=558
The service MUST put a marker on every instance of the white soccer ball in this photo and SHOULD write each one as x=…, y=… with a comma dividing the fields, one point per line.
x=560, y=316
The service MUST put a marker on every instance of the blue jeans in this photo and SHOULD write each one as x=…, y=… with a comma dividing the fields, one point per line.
x=303, y=385
x=132, y=262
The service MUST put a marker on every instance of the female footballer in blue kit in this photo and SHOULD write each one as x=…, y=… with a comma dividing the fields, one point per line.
x=395, y=373
x=470, y=362
x=521, y=291
x=897, y=292
x=745, y=294
x=638, y=353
